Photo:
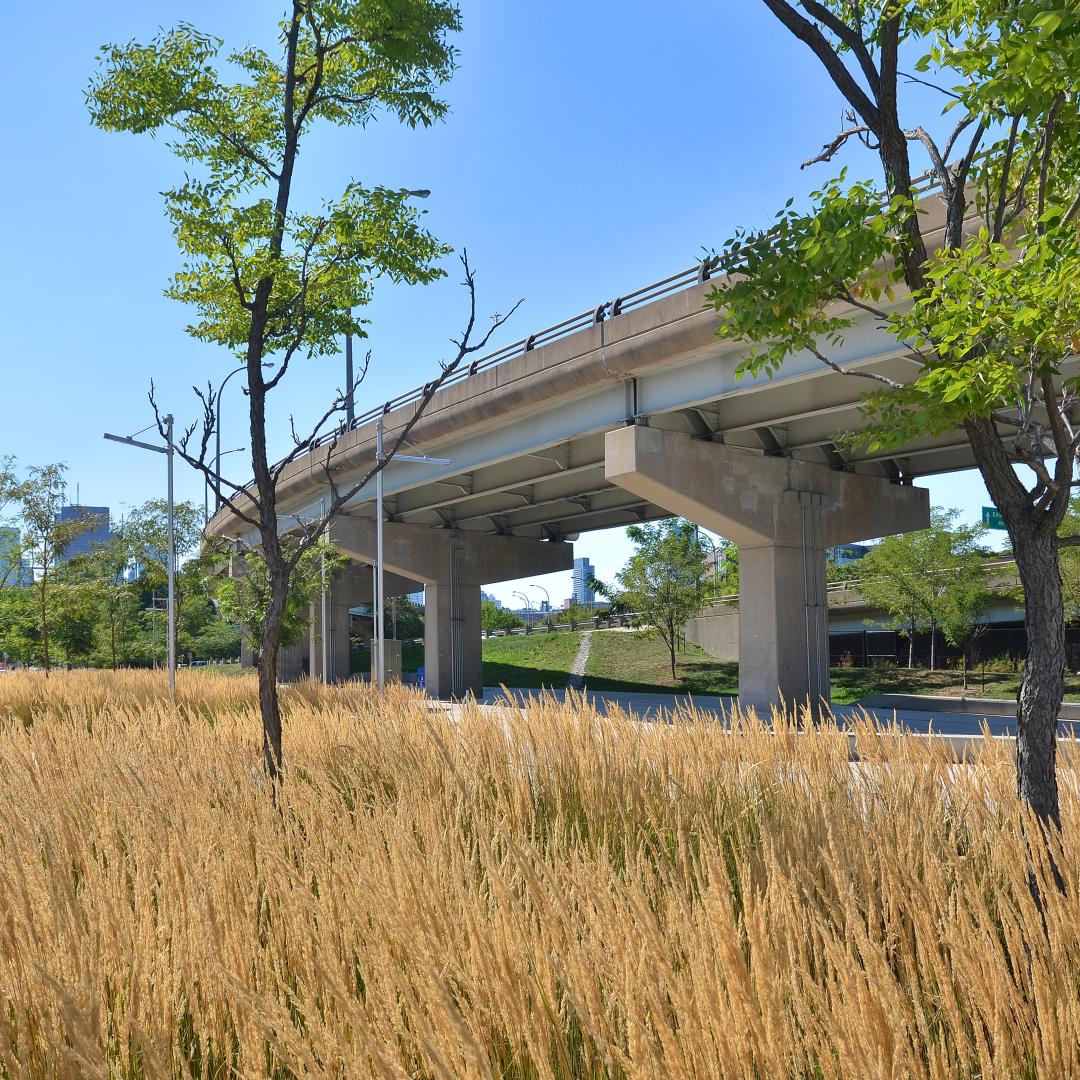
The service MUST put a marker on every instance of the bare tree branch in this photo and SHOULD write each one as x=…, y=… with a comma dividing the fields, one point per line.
x=466, y=347
x=926, y=82
x=873, y=375
x=200, y=465
x=812, y=36
x=830, y=149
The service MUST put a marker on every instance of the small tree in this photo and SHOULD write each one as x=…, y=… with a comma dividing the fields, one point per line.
x=11, y=553
x=46, y=538
x=931, y=580
x=264, y=277
x=405, y=618
x=662, y=579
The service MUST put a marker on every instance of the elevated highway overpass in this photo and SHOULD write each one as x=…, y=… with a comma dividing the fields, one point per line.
x=628, y=412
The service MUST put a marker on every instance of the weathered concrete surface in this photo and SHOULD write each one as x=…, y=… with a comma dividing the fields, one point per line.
x=783, y=513
x=717, y=632
x=453, y=657
x=753, y=500
x=424, y=554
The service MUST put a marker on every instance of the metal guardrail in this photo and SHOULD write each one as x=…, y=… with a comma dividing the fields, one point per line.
x=684, y=279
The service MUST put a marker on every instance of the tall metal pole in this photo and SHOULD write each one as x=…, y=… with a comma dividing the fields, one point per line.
x=169, y=451
x=380, y=652
x=172, y=564
x=350, y=404
x=324, y=619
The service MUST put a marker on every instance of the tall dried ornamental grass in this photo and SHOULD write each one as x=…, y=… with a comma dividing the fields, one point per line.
x=547, y=895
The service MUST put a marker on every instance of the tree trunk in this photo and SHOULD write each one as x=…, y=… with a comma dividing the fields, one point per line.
x=911, y=647
x=269, y=705
x=44, y=623
x=1042, y=684
x=933, y=646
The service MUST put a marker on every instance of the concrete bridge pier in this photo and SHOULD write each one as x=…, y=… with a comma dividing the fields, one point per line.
x=783, y=513
x=453, y=565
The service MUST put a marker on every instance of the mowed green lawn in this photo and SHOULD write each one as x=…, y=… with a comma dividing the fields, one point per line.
x=530, y=661
x=623, y=661
x=637, y=662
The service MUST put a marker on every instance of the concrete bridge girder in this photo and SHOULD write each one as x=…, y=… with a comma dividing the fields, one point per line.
x=782, y=513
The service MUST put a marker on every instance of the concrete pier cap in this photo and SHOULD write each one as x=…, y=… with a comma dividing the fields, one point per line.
x=782, y=513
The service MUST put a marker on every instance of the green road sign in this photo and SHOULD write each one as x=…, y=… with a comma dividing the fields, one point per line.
x=991, y=518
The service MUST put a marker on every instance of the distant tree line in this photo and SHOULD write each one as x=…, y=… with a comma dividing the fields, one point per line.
x=103, y=606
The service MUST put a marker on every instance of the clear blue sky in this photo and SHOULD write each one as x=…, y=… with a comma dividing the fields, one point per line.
x=590, y=148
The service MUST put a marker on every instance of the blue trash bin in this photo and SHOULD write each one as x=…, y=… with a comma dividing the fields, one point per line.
x=420, y=676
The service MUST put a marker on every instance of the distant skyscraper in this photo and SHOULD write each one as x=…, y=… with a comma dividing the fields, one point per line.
x=583, y=591
x=99, y=533
x=846, y=554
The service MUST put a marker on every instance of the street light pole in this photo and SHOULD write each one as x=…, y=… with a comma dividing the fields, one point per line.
x=382, y=461
x=168, y=451
x=350, y=404
x=217, y=434
x=172, y=562
x=528, y=610
x=380, y=627
x=547, y=595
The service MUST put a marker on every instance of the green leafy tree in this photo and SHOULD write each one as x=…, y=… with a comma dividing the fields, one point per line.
x=662, y=579
x=493, y=617
x=576, y=613
x=724, y=570
x=11, y=554
x=404, y=618
x=931, y=580
x=97, y=578
x=243, y=594
x=264, y=276
x=46, y=538
x=20, y=637
x=988, y=308
x=1070, y=564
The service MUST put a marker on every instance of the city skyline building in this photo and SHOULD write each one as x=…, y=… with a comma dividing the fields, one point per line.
x=99, y=533
x=583, y=591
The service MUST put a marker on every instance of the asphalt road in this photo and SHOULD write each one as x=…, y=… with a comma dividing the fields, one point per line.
x=664, y=707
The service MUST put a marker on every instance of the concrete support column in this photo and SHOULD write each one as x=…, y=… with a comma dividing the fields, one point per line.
x=294, y=661
x=453, y=662
x=338, y=651
x=452, y=564
x=783, y=627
